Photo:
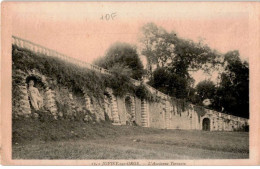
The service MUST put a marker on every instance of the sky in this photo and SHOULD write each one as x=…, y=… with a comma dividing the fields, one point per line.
x=77, y=30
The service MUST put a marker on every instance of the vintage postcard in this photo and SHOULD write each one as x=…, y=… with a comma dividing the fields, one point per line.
x=130, y=83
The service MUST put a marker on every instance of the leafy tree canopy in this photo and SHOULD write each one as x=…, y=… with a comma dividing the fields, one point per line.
x=233, y=92
x=169, y=82
x=176, y=57
x=125, y=57
x=181, y=55
x=206, y=89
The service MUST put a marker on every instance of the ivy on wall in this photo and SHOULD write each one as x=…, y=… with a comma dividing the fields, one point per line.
x=200, y=111
x=76, y=78
x=142, y=93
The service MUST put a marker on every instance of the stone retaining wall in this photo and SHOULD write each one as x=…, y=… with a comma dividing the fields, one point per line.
x=167, y=113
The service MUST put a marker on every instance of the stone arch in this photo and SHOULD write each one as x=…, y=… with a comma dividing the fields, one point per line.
x=80, y=95
x=206, y=124
x=130, y=109
x=48, y=94
x=41, y=82
x=21, y=105
x=77, y=99
x=110, y=99
x=96, y=106
x=38, y=84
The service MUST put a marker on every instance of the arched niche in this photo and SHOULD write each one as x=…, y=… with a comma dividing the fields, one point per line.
x=130, y=110
x=110, y=102
x=108, y=106
x=206, y=124
x=78, y=97
x=42, y=85
x=21, y=102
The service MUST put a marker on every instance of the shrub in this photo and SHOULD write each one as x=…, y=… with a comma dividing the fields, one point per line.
x=45, y=116
x=142, y=93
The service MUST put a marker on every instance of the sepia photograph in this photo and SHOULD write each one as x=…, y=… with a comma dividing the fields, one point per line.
x=130, y=83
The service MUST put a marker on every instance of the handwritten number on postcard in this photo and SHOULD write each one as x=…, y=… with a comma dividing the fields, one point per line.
x=108, y=17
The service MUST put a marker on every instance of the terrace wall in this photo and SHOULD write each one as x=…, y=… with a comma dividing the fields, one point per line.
x=166, y=113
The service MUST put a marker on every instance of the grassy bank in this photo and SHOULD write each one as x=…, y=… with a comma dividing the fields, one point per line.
x=33, y=130
x=79, y=140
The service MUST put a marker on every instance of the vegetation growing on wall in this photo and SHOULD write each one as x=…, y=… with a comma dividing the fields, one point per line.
x=183, y=106
x=142, y=93
x=200, y=111
x=72, y=76
x=77, y=79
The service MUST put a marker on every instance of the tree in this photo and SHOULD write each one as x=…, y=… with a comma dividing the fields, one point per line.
x=233, y=92
x=168, y=50
x=156, y=45
x=123, y=56
x=178, y=55
x=205, y=90
x=169, y=82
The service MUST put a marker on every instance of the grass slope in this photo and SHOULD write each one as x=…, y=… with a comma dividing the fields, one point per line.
x=78, y=140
